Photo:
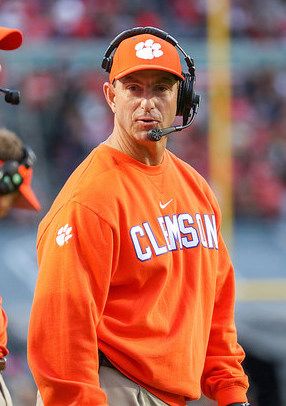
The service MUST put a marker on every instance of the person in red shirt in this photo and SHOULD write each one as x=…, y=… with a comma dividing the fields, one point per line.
x=15, y=192
x=134, y=301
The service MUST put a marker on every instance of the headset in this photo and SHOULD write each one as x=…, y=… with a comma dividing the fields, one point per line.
x=188, y=101
x=10, y=176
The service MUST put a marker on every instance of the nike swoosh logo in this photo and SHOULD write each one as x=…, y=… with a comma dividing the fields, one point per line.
x=163, y=206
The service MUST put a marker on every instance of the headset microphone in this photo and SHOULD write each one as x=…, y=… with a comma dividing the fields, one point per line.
x=11, y=96
x=157, y=133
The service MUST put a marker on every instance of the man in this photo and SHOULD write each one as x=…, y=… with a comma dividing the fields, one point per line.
x=131, y=259
x=15, y=192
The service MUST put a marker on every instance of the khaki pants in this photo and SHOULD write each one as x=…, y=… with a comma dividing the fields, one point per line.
x=121, y=391
x=5, y=398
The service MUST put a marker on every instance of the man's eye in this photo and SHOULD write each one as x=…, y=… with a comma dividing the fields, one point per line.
x=161, y=88
x=132, y=88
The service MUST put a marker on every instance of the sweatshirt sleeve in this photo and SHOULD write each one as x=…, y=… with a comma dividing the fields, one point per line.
x=223, y=378
x=75, y=265
x=3, y=331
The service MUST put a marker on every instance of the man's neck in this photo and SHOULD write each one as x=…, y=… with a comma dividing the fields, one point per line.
x=149, y=153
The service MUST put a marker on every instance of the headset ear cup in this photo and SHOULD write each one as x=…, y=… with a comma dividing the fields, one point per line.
x=10, y=178
x=185, y=101
x=180, y=99
x=107, y=63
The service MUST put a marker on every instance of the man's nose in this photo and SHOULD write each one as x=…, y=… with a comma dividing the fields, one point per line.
x=147, y=103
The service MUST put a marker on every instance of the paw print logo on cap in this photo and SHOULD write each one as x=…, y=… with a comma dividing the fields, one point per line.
x=148, y=49
x=63, y=235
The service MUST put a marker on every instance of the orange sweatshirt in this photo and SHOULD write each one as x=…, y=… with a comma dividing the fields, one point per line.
x=131, y=260
x=3, y=331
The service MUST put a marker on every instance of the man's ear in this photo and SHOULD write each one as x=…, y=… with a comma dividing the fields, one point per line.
x=109, y=93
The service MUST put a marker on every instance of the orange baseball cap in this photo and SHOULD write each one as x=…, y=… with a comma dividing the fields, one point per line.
x=10, y=38
x=27, y=198
x=145, y=51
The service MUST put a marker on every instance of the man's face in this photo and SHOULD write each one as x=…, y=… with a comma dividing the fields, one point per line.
x=142, y=101
x=6, y=203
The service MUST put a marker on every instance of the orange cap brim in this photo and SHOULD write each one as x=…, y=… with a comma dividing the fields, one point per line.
x=148, y=67
x=10, y=38
x=27, y=198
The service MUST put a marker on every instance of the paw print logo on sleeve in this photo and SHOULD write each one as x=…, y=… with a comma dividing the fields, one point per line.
x=63, y=235
x=148, y=49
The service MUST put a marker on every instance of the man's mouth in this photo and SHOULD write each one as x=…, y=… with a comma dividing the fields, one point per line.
x=147, y=122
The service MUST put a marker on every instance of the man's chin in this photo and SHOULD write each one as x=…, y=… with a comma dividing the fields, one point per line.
x=142, y=135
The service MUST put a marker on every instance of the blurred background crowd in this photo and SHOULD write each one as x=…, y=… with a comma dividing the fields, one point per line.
x=63, y=114
x=63, y=106
x=83, y=19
